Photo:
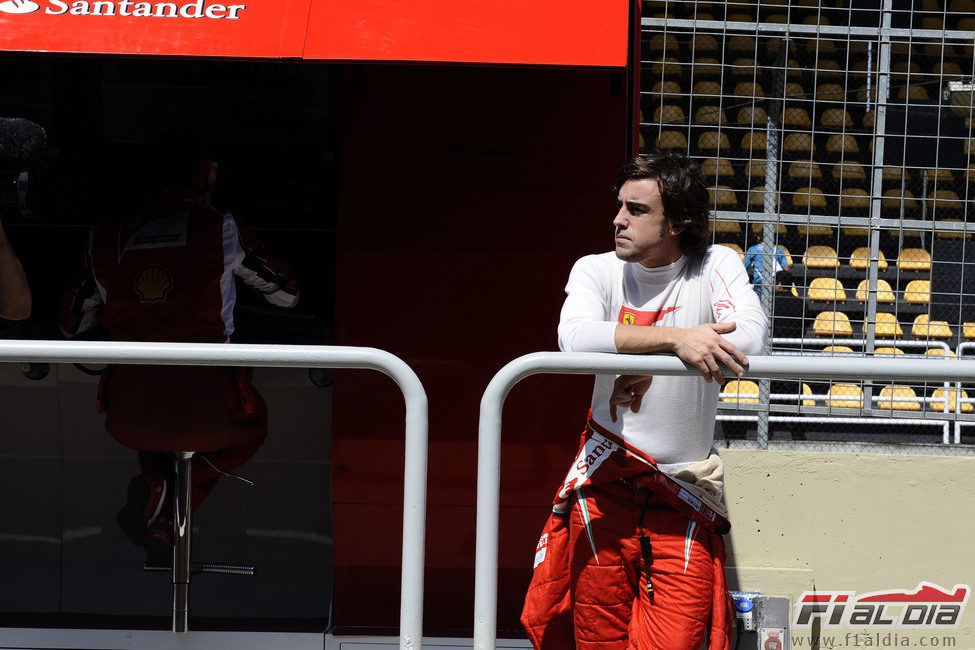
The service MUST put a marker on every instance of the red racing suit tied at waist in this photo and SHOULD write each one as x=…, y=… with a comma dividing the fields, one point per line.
x=604, y=457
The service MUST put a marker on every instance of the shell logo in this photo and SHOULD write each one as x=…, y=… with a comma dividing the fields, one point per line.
x=19, y=6
x=153, y=283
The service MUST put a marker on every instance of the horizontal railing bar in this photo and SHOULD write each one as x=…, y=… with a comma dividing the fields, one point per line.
x=489, y=428
x=797, y=29
x=288, y=356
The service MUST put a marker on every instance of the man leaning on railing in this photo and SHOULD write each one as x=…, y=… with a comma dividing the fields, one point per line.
x=632, y=554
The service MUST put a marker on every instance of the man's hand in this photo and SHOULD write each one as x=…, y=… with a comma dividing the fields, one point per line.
x=628, y=392
x=704, y=347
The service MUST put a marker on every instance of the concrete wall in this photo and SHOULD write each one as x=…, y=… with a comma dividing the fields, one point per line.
x=853, y=522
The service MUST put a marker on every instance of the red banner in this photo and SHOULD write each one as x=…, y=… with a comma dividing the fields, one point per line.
x=538, y=32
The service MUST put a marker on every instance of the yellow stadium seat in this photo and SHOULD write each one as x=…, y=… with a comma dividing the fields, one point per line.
x=939, y=406
x=811, y=198
x=752, y=116
x=723, y=198
x=748, y=89
x=706, y=66
x=669, y=114
x=842, y=144
x=806, y=390
x=834, y=118
x=832, y=323
x=918, y=292
x=886, y=326
x=968, y=330
x=844, y=396
x=710, y=115
x=724, y=227
x=940, y=352
x=756, y=199
x=900, y=398
x=740, y=391
x=942, y=200
x=755, y=169
x=826, y=290
x=663, y=43
x=849, y=172
x=742, y=45
x=888, y=351
x=925, y=328
x=705, y=88
x=804, y=170
x=914, y=259
x=717, y=168
x=705, y=43
x=798, y=143
x=672, y=141
x=821, y=257
x=894, y=198
x=940, y=176
x=667, y=87
x=668, y=67
x=796, y=117
x=854, y=200
x=735, y=247
x=713, y=141
x=844, y=349
x=755, y=141
x=743, y=67
x=885, y=294
x=860, y=259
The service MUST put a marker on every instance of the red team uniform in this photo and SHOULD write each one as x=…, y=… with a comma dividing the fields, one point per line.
x=630, y=558
x=172, y=277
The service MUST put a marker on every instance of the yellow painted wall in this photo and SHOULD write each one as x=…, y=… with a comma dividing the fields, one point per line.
x=859, y=522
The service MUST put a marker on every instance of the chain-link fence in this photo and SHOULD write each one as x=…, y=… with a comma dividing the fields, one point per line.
x=837, y=142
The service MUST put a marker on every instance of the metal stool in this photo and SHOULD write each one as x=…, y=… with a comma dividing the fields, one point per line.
x=139, y=418
x=183, y=568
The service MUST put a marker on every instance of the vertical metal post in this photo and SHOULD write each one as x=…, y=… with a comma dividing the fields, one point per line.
x=769, y=243
x=880, y=126
x=183, y=530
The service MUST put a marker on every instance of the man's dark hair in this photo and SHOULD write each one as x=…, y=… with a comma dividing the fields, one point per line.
x=683, y=192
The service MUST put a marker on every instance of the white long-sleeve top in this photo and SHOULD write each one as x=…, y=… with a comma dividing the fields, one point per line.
x=676, y=422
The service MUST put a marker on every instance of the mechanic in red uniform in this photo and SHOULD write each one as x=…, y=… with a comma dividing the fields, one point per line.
x=632, y=555
x=169, y=272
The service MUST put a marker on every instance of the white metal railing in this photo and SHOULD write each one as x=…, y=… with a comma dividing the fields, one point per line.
x=769, y=367
x=289, y=356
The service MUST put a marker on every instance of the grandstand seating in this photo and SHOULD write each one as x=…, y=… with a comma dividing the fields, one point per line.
x=937, y=402
x=826, y=290
x=914, y=259
x=885, y=295
x=918, y=292
x=844, y=349
x=740, y=391
x=925, y=328
x=885, y=326
x=844, y=396
x=832, y=323
x=821, y=257
x=899, y=398
x=888, y=351
x=860, y=259
x=717, y=109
